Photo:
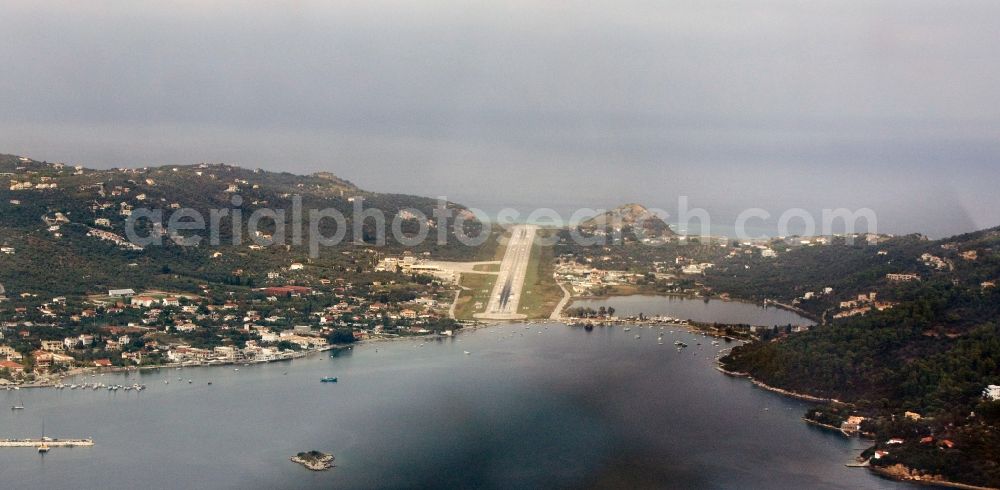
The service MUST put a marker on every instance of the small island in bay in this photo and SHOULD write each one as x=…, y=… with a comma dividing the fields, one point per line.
x=314, y=460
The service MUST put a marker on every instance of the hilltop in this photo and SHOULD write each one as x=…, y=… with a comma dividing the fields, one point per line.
x=627, y=217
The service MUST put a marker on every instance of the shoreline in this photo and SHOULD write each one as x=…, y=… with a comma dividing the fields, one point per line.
x=895, y=475
x=901, y=473
x=780, y=391
x=93, y=370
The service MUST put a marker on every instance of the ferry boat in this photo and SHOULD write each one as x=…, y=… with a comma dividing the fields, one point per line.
x=329, y=379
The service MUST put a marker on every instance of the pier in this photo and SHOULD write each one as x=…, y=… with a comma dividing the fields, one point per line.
x=47, y=441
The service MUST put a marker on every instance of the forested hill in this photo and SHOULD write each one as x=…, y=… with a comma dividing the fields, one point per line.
x=930, y=347
x=58, y=223
x=858, y=268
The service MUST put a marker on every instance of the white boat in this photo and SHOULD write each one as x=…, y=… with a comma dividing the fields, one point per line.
x=467, y=352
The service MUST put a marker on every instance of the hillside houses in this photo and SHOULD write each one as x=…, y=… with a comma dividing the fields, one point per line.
x=902, y=277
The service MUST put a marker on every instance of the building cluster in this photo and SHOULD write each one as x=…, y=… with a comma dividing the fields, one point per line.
x=583, y=280
x=863, y=304
x=934, y=261
x=268, y=323
x=410, y=264
x=902, y=277
x=113, y=238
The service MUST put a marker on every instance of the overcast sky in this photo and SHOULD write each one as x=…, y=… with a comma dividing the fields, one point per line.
x=892, y=105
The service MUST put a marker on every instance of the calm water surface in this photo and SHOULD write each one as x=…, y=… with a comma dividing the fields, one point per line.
x=696, y=309
x=542, y=406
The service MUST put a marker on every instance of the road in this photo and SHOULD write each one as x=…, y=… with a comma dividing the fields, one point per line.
x=506, y=294
x=557, y=313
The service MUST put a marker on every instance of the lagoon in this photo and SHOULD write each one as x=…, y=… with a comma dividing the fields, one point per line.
x=683, y=308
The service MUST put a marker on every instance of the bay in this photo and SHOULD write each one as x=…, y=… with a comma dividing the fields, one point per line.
x=530, y=406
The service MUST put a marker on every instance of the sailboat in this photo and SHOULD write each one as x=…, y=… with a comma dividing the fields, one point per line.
x=43, y=448
x=20, y=403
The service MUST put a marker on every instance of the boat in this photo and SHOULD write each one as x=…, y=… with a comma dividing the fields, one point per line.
x=329, y=379
x=467, y=352
x=43, y=448
x=20, y=403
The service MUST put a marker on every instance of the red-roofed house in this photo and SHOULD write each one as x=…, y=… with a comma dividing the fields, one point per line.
x=12, y=366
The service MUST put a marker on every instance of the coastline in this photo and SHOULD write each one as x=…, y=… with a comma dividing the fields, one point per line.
x=781, y=391
x=902, y=473
x=896, y=472
x=92, y=370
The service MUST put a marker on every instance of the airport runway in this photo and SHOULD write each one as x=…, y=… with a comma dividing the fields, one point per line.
x=506, y=294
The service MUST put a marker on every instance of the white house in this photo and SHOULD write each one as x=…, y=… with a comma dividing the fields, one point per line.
x=992, y=392
x=144, y=301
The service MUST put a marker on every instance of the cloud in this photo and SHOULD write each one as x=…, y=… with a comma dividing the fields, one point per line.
x=559, y=104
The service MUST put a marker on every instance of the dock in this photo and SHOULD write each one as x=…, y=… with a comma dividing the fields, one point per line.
x=47, y=441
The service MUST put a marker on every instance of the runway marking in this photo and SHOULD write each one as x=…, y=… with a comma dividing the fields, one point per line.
x=506, y=294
